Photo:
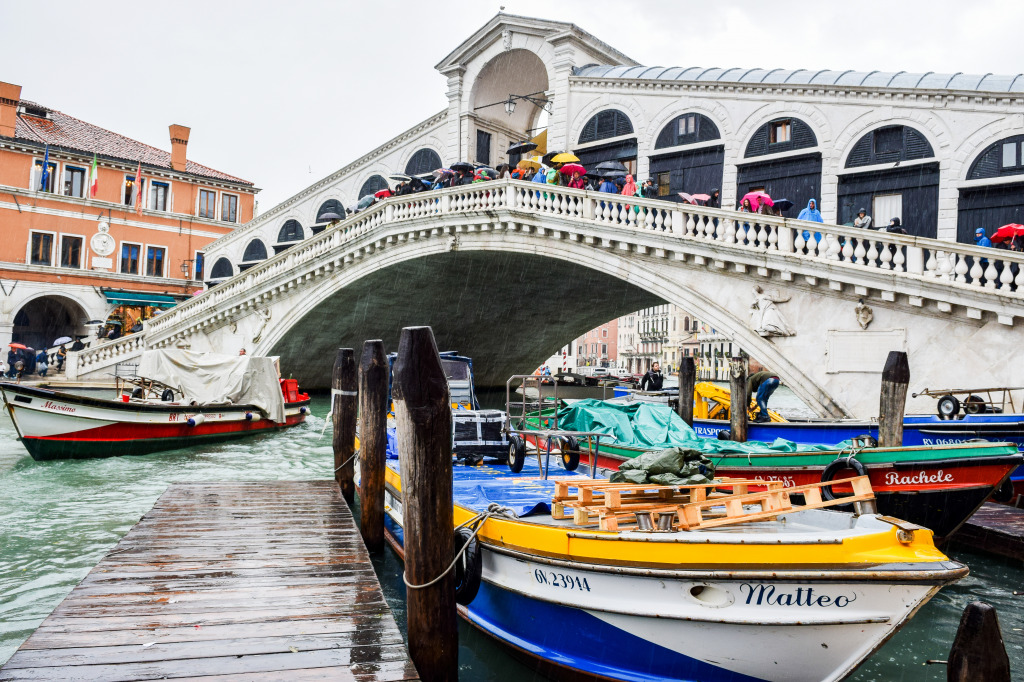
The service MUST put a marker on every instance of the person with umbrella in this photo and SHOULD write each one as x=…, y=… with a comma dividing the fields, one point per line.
x=62, y=354
x=649, y=190
x=576, y=172
x=12, y=357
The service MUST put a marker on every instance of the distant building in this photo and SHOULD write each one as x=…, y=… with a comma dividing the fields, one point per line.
x=68, y=257
x=662, y=334
x=597, y=348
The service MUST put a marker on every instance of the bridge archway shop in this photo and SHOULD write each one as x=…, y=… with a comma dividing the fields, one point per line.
x=43, y=319
x=795, y=176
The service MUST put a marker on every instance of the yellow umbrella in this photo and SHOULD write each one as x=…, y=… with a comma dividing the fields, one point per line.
x=564, y=157
x=529, y=163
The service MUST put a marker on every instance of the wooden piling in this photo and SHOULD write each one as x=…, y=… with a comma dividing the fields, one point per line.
x=373, y=441
x=687, y=380
x=893, y=402
x=739, y=400
x=424, y=420
x=978, y=653
x=344, y=401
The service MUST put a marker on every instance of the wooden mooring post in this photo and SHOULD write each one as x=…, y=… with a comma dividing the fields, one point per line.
x=687, y=380
x=373, y=442
x=893, y=401
x=424, y=420
x=978, y=653
x=739, y=367
x=344, y=401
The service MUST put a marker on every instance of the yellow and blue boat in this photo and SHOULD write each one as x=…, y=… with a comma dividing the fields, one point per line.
x=801, y=597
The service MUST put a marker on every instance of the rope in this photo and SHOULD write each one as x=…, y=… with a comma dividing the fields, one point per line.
x=354, y=455
x=493, y=509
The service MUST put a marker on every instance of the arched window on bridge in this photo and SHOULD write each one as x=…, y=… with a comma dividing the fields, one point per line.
x=795, y=176
x=373, y=184
x=291, y=232
x=697, y=171
x=610, y=123
x=221, y=269
x=255, y=251
x=993, y=205
x=322, y=215
x=900, y=189
x=423, y=161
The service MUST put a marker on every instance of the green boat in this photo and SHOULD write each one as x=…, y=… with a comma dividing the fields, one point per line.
x=936, y=486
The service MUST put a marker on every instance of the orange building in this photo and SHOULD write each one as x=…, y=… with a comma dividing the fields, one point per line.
x=72, y=255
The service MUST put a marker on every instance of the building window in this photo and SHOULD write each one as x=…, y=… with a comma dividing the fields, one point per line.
x=423, y=161
x=129, y=189
x=158, y=196
x=687, y=125
x=42, y=249
x=45, y=184
x=483, y=147
x=130, y=258
x=582, y=350
x=608, y=123
x=663, y=184
x=198, y=265
x=686, y=352
x=1009, y=155
x=604, y=333
x=229, y=208
x=155, y=261
x=207, y=203
x=604, y=350
x=74, y=181
x=70, y=252
x=889, y=140
x=780, y=131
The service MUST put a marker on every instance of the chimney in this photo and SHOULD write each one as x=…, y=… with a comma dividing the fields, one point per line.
x=179, y=142
x=10, y=95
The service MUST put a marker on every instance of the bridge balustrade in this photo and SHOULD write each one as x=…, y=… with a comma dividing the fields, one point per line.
x=963, y=264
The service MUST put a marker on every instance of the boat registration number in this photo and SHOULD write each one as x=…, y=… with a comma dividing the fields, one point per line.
x=563, y=580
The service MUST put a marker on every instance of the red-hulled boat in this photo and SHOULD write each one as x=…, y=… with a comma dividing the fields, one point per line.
x=202, y=398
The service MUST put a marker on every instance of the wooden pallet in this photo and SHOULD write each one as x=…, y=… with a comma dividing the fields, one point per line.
x=725, y=502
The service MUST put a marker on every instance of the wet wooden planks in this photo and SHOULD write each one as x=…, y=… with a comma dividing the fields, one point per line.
x=996, y=529
x=226, y=581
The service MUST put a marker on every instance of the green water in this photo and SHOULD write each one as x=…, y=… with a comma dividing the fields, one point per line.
x=57, y=519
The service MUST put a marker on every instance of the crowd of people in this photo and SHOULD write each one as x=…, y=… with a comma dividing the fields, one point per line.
x=24, y=360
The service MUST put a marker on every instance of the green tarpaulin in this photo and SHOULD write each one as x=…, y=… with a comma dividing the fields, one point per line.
x=653, y=426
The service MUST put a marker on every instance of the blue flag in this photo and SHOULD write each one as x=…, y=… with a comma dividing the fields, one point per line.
x=45, y=178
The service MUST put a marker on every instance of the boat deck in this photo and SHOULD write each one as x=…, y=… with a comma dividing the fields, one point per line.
x=995, y=529
x=226, y=581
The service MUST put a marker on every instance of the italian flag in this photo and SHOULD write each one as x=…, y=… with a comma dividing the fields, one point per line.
x=94, y=178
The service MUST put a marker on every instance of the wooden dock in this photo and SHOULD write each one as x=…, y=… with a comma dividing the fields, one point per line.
x=226, y=581
x=996, y=529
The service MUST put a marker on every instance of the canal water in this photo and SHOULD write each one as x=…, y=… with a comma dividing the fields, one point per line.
x=58, y=519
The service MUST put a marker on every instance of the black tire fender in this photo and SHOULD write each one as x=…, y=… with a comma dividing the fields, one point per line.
x=1004, y=493
x=468, y=567
x=516, y=453
x=570, y=448
x=834, y=468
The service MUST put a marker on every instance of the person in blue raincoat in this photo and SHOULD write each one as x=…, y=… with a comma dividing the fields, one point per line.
x=980, y=239
x=814, y=215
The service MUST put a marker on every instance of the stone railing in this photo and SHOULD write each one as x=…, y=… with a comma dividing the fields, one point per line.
x=91, y=362
x=810, y=249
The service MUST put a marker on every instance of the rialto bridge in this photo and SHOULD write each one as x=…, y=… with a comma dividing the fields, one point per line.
x=505, y=271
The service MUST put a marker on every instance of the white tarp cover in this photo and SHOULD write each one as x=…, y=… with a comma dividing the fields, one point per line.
x=212, y=378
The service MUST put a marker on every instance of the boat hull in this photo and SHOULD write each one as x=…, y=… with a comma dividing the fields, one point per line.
x=596, y=622
x=57, y=425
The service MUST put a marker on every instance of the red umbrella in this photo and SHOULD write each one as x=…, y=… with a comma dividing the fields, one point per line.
x=383, y=194
x=18, y=345
x=570, y=168
x=1007, y=232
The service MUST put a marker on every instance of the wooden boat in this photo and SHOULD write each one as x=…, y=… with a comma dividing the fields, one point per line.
x=59, y=425
x=794, y=596
x=937, y=486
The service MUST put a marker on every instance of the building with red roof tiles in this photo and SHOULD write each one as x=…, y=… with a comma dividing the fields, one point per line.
x=72, y=256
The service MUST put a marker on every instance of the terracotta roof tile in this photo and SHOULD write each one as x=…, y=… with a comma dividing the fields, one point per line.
x=68, y=132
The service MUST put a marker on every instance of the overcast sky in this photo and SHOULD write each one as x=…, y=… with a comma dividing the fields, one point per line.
x=284, y=92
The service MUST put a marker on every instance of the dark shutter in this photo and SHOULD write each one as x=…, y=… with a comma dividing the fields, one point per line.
x=373, y=184
x=423, y=161
x=483, y=148
x=221, y=269
x=330, y=206
x=800, y=137
x=889, y=145
x=291, y=231
x=860, y=155
x=608, y=123
x=254, y=250
x=706, y=130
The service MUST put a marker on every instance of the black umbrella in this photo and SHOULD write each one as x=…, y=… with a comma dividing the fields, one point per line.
x=612, y=166
x=783, y=204
x=610, y=173
x=399, y=177
x=365, y=202
x=522, y=147
x=547, y=157
x=328, y=218
x=464, y=166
